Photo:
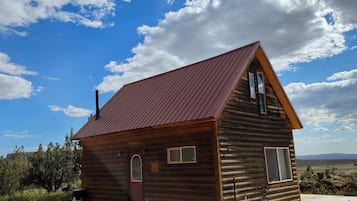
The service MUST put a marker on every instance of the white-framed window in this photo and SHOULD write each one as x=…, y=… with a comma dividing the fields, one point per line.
x=261, y=94
x=178, y=155
x=252, y=85
x=257, y=90
x=278, y=164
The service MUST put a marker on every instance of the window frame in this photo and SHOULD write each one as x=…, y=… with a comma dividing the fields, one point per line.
x=131, y=168
x=169, y=161
x=288, y=171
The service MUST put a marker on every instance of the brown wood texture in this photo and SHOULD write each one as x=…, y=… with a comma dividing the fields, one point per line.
x=105, y=163
x=243, y=133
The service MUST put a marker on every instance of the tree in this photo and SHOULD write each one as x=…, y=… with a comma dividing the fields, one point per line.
x=57, y=165
x=72, y=152
x=309, y=176
x=13, y=171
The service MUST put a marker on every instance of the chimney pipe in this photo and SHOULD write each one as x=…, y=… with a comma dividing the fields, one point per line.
x=97, y=111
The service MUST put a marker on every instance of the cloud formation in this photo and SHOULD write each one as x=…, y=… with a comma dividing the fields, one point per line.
x=20, y=13
x=71, y=110
x=6, y=66
x=12, y=84
x=319, y=140
x=299, y=31
x=18, y=135
x=327, y=102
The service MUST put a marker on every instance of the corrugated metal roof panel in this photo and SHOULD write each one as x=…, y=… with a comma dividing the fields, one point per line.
x=193, y=92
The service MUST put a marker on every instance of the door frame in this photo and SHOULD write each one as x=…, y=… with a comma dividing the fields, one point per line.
x=136, y=190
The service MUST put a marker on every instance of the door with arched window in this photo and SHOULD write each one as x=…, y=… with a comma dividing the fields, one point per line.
x=136, y=177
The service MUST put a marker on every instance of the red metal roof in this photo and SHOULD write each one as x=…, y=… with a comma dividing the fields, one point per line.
x=193, y=92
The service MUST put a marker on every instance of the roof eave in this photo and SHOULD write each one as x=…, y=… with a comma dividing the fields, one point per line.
x=170, y=125
x=283, y=98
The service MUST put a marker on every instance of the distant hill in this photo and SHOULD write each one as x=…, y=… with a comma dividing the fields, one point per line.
x=330, y=156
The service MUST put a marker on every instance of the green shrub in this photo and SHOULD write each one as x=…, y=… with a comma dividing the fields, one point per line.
x=35, y=196
x=352, y=193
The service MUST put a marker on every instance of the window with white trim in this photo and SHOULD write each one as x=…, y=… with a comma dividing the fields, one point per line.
x=278, y=164
x=136, y=168
x=178, y=155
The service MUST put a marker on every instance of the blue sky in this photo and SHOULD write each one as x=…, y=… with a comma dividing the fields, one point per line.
x=54, y=54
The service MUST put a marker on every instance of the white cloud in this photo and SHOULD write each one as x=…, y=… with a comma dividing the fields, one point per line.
x=344, y=13
x=318, y=140
x=55, y=108
x=51, y=78
x=320, y=129
x=126, y=1
x=12, y=85
x=297, y=32
x=344, y=75
x=170, y=2
x=18, y=135
x=344, y=129
x=40, y=89
x=91, y=13
x=6, y=66
x=71, y=110
x=329, y=102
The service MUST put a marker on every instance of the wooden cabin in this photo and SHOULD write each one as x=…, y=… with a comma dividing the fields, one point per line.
x=218, y=129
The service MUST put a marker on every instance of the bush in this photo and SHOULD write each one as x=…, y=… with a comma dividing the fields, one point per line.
x=59, y=166
x=13, y=172
x=39, y=197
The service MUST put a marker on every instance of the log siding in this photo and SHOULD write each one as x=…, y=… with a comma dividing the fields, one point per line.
x=243, y=133
x=106, y=170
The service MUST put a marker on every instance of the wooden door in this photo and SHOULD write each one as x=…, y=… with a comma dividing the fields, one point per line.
x=136, y=177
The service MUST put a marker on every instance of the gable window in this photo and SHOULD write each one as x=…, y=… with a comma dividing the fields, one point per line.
x=178, y=155
x=252, y=85
x=278, y=165
x=261, y=94
x=257, y=90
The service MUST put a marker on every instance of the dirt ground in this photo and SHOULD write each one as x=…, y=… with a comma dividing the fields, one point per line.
x=310, y=197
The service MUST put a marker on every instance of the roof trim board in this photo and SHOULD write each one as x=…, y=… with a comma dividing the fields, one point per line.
x=274, y=81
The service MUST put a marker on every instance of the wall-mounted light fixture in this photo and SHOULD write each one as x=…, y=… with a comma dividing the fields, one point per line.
x=121, y=153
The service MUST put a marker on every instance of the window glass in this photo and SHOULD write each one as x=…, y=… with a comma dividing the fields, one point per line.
x=284, y=164
x=174, y=155
x=261, y=94
x=188, y=154
x=136, y=168
x=251, y=85
x=261, y=89
x=178, y=155
x=272, y=165
x=262, y=105
x=278, y=164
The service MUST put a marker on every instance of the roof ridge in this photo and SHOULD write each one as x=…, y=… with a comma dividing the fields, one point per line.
x=192, y=64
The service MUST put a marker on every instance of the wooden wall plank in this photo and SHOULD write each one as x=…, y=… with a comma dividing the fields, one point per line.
x=243, y=134
x=105, y=164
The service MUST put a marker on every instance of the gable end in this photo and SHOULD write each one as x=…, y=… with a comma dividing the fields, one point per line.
x=278, y=89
